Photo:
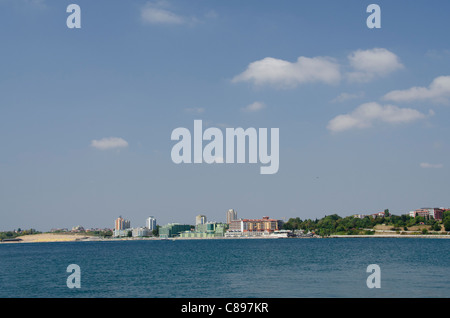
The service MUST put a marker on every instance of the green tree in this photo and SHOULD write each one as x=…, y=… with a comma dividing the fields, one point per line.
x=107, y=233
x=446, y=214
x=419, y=219
x=447, y=224
x=436, y=227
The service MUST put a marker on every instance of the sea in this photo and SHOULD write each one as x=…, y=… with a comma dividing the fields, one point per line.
x=232, y=268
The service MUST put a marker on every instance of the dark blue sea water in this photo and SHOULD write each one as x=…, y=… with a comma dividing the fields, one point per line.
x=234, y=268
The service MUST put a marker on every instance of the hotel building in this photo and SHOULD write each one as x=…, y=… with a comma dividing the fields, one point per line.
x=231, y=216
x=121, y=224
x=121, y=227
x=140, y=232
x=255, y=227
x=200, y=219
x=150, y=223
x=435, y=213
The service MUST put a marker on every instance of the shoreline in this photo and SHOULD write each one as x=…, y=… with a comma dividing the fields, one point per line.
x=439, y=236
x=49, y=237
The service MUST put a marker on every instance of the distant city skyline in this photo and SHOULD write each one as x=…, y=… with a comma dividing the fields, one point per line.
x=151, y=223
x=86, y=115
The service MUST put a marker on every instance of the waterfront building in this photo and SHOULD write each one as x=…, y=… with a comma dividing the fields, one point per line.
x=150, y=223
x=121, y=224
x=254, y=226
x=236, y=225
x=207, y=230
x=121, y=233
x=435, y=213
x=140, y=232
x=282, y=233
x=231, y=216
x=200, y=219
x=234, y=233
x=173, y=229
x=264, y=224
x=205, y=227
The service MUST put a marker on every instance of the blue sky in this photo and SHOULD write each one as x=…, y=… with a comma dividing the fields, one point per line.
x=362, y=113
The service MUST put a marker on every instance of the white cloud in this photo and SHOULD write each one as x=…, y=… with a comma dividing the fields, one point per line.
x=285, y=74
x=369, y=64
x=365, y=65
x=437, y=91
x=158, y=13
x=431, y=165
x=366, y=114
x=254, y=107
x=109, y=143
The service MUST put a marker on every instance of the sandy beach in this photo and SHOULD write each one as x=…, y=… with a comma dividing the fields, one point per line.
x=48, y=237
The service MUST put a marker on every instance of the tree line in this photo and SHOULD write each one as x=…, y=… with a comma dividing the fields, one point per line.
x=351, y=225
x=16, y=233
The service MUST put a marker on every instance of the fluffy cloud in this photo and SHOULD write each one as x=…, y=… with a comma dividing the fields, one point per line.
x=254, y=107
x=431, y=165
x=438, y=91
x=366, y=114
x=369, y=64
x=365, y=65
x=285, y=74
x=157, y=13
x=109, y=143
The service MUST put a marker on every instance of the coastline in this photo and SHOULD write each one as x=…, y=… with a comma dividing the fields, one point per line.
x=51, y=237
x=429, y=236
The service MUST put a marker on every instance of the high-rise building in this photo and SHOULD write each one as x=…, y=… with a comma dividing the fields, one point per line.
x=231, y=216
x=121, y=223
x=150, y=223
x=200, y=219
